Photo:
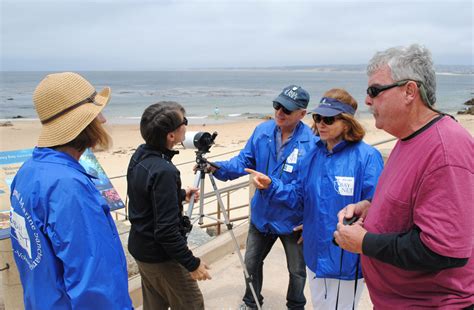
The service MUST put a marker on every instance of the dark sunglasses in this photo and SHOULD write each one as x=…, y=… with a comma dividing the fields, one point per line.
x=328, y=120
x=374, y=90
x=184, y=122
x=278, y=106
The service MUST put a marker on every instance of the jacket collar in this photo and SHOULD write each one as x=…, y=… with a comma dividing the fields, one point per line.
x=299, y=127
x=165, y=154
x=49, y=155
x=336, y=149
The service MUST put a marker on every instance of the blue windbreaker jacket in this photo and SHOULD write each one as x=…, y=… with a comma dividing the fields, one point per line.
x=330, y=182
x=65, y=243
x=285, y=210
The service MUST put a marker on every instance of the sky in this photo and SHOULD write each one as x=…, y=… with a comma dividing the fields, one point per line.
x=99, y=35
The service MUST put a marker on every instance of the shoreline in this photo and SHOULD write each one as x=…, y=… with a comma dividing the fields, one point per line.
x=193, y=119
x=21, y=133
x=212, y=119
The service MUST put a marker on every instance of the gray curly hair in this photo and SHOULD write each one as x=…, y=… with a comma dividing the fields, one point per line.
x=409, y=63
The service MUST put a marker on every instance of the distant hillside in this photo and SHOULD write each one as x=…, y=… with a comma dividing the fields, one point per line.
x=451, y=69
x=459, y=69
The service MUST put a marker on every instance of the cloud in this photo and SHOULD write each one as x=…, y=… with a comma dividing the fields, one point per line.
x=149, y=35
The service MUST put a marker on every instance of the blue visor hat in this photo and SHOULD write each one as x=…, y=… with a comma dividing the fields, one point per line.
x=332, y=107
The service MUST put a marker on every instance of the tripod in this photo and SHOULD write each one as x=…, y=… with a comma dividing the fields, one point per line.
x=199, y=183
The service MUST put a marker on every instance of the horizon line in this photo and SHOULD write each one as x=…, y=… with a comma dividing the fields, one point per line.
x=347, y=67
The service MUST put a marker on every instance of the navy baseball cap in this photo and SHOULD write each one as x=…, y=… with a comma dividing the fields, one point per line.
x=293, y=98
x=332, y=107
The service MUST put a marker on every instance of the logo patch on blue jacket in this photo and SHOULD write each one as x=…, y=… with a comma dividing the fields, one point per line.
x=344, y=186
x=24, y=231
x=293, y=158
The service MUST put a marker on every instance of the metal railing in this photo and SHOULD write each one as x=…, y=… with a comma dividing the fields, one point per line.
x=226, y=193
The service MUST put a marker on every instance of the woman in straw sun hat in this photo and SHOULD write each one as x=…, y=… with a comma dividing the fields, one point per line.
x=65, y=243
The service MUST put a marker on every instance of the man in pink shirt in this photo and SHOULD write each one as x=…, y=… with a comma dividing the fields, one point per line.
x=416, y=236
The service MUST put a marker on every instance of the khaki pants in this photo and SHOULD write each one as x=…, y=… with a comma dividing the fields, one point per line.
x=169, y=284
x=324, y=292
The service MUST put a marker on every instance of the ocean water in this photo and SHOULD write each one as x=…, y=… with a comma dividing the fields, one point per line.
x=235, y=93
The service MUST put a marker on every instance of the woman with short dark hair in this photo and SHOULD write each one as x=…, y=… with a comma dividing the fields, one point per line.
x=157, y=239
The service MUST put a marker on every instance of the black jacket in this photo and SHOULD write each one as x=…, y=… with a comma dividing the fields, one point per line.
x=155, y=209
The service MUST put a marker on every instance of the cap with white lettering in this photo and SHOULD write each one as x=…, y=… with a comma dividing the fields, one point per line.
x=293, y=98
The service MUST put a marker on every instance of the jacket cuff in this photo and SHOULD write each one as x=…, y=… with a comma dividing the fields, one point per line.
x=194, y=264
x=183, y=195
x=270, y=188
x=219, y=172
x=369, y=244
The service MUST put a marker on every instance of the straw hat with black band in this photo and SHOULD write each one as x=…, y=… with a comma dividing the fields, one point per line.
x=66, y=103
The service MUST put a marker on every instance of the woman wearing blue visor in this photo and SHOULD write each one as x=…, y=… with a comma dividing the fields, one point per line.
x=341, y=170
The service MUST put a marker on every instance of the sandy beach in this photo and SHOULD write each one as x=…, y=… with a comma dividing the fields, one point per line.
x=231, y=138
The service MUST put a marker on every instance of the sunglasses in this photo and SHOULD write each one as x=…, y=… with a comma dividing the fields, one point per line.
x=328, y=120
x=278, y=106
x=374, y=90
x=184, y=122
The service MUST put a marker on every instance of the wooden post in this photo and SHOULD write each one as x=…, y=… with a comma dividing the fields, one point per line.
x=11, y=285
x=218, y=218
x=252, y=190
x=228, y=205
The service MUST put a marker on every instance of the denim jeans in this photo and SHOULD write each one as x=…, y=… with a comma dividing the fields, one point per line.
x=258, y=246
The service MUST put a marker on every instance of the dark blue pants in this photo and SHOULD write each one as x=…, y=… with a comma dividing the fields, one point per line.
x=258, y=246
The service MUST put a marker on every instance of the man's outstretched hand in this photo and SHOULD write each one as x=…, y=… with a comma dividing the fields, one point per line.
x=260, y=180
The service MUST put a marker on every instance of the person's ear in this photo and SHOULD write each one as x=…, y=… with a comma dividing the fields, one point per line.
x=345, y=129
x=303, y=113
x=411, y=90
x=345, y=126
x=170, y=136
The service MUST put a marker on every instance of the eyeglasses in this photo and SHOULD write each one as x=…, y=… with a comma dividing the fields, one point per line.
x=278, y=106
x=374, y=90
x=328, y=120
x=184, y=122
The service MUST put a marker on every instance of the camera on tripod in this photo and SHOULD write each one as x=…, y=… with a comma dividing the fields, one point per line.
x=200, y=140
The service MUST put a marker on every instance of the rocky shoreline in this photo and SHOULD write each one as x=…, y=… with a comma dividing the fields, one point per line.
x=469, y=109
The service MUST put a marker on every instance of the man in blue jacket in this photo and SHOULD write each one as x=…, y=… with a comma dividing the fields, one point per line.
x=275, y=149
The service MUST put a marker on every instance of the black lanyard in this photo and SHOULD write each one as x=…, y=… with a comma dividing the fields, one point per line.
x=282, y=166
x=356, y=279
